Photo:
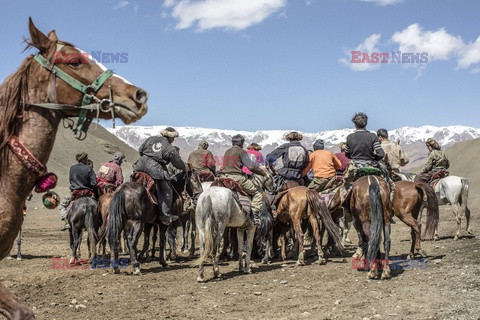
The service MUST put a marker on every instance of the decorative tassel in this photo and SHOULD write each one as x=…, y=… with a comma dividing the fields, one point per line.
x=46, y=182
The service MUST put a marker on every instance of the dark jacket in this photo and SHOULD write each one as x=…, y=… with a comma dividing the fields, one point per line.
x=156, y=152
x=294, y=157
x=235, y=159
x=363, y=145
x=82, y=176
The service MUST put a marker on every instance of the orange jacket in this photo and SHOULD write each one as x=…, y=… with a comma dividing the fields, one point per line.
x=324, y=164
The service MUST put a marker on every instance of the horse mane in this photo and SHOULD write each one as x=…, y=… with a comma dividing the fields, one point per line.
x=13, y=96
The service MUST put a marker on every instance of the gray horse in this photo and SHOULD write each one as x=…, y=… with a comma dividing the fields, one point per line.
x=450, y=190
x=217, y=209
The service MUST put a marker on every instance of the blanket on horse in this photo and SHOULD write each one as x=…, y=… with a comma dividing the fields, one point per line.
x=283, y=191
x=145, y=180
x=436, y=176
x=331, y=188
x=205, y=175
x=238, y=194
x=77, y=194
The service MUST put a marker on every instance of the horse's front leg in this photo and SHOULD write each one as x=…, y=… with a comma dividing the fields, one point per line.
x=250, y=237
x=19, y=245
x=458, y=218
x=240, y=236
x=185, y=229
x=162, y=243
x=133, y=237
x=146, y=241
x=154, y=240
x=193, y=234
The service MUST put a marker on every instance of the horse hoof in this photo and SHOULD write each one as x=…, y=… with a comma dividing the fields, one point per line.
x=200, y=279
x=9, y=258
x=19, y=258
x=347, y=240
x=136, y=271
x=116, y=271
x=410, y=256
x=372, y=274
x=423, y=253
x=217, y=275
x=247, y=271
x=300, y=263
x=322, y=261
x=455, y=238
x=436, y=238
x=386, y=275
x=264, y=261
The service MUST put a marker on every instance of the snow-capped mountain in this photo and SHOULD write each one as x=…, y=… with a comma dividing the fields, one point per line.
x=411, y=139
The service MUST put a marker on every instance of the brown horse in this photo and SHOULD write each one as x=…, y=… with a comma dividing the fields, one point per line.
x=407, y=204
x=300, y=203
x=371, y=210
x=33, y=102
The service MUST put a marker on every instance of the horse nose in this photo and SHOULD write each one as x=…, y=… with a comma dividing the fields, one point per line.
x=141, y=96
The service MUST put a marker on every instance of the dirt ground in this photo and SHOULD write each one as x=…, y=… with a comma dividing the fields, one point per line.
x=447, y=289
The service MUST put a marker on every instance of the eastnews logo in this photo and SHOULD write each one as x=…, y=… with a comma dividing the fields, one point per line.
x=396, y=264
x=383, y=57
x=83, y=57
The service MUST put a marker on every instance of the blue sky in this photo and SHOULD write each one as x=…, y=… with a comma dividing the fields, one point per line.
x=274, y=64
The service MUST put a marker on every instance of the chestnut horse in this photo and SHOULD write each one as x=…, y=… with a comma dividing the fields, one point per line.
x=407, y=203
x=33, y=102
x=371, y=210
x=302, y=203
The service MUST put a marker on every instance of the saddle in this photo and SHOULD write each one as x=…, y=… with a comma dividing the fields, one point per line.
x=238, y=194
x=206, y=176
x=77, y=194
x=436, y=176
x=104, y=187
x=330, y=189
x=283, y=191
x=145, y=180
x=367, y=171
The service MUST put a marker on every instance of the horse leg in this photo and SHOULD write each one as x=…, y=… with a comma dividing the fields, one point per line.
x=216, y=246
x=77, y=240
x=362, y=240
x=154, y=240
x=233, y=245
x=415, y=226
x=458, y=217
x=201, y=238
x=386, y=242
x=318, y=240
x=193, y=233
x=240, y=236
x=301, y=250
x=249, y=245
x=172, y=240
x=162, y=240
x=146, y=240
x=133, y=237
x=19, y=245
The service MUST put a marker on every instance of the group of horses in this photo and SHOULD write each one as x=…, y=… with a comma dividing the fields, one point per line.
x=40, y=95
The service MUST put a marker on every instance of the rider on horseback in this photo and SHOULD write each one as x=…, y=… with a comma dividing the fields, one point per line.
x=436, y=161
x=110, y=174
x=82, y=177
x=324, y=164
x=342, y=157
x=156, y=153
x=234, y=160
x=394, y=158
x=202, y=161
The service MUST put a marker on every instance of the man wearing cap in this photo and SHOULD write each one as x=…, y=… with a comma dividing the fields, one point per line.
x=203, y=162
x=234, y=160
x=394, y=158
x=155, y=154
x=342, y=157
x=324, y=164
x=253, y=150
x=110, y=174
x=294, y=158
x=436, y=161
x=82, y=176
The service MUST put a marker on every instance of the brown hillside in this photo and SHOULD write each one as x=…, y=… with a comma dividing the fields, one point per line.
x=99, y=144
x=463, y=162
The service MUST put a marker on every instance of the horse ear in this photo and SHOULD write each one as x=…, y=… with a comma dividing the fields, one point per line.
x=39, y=40
x=52, y=36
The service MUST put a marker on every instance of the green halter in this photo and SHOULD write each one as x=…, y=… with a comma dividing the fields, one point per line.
x=87, y=90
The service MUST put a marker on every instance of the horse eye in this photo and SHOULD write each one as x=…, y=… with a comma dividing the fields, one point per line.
x=74, y=63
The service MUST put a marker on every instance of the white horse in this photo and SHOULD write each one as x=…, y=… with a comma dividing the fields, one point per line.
x=450, y=190
x=217, y=209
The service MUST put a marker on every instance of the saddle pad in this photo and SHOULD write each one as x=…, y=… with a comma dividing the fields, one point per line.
x=437, y=176
x=145, y=180
x=246, y=204
x=229, y=184
x=367, y=171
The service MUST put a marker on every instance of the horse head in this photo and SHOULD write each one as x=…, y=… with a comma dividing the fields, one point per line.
x=74, y=78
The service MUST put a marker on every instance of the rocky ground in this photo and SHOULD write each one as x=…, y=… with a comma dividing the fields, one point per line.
x=448, y=288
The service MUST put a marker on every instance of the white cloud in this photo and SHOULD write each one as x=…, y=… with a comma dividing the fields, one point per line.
x=369, y=46
x=223, y=14
x=440, y=45
x=384, y=2
x=470, y=55
x=121, y=4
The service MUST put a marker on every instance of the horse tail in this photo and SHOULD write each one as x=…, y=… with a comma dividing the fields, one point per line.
x=90, y=222
x=463, y=200
x=265, y=226
x=376, y=219
x=116, y=212
x=318, y=206
x=209, y=230
x=432, y=209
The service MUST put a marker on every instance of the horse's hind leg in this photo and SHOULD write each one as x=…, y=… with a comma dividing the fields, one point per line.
x=415, y=226
x=458, y=218
x=248, y=254
x=301, y=250
x=19, y=245
x=146, y=241
x=193, y=234
x=386, y=241
x=316, y=234
x=162, y=240
x=172, y=240
x=133, y=237
x=216, y=246
x=185, y=229
x=154, y=240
